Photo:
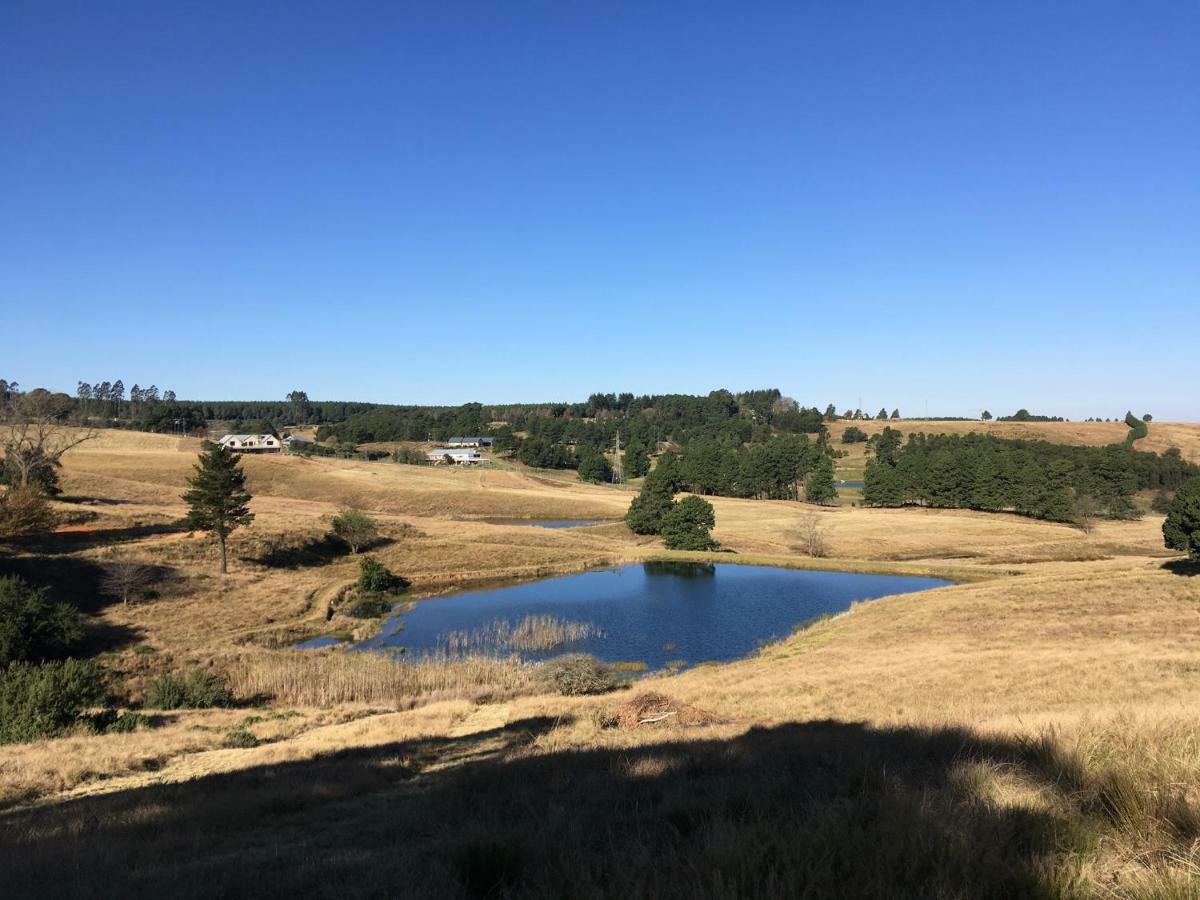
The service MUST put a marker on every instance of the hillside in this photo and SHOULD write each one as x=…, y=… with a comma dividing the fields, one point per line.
x=1082, y=645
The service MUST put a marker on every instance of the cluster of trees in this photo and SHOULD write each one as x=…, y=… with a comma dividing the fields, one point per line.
x=684, y=524
x=1048, y=481
x=1024, y=415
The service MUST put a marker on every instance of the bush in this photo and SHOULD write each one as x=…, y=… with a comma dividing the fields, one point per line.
x=854, y=435
x=32, y=629
x=40, y=701
x=375, y=578
x=240, y=739
x=688, y=525
x=193, y=689
x=126, y=722
x=578, y=674
x=25, y=510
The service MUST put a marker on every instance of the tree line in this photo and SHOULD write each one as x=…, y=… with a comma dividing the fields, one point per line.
x=1057, y=482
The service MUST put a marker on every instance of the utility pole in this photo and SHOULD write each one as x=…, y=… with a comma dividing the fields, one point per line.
x=618, y=474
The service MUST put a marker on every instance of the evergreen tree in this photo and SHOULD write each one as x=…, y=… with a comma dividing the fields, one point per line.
x=896, y=413
x=882, y=414
x=1181, y=530
x=649, y=508
x=831, y=412
x=819, y=486
x=218, y=501
x=986, y=416
x=636, y=460
x=594, y=466
x=688, y=525
x=887, y=445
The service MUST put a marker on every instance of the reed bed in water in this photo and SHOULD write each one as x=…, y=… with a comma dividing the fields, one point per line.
x=530, y=635
x=319, y=678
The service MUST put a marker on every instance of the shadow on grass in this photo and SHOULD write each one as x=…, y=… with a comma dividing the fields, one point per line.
x=313, y=552
x=819, y=809
x=1184, y=567
x=78, y=582
x=63, y=542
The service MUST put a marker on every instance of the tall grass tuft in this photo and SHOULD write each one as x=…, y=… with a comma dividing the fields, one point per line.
x=316, y=678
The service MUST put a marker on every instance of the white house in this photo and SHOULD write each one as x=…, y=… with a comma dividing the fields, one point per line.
x=251, y=443
x=458, y=457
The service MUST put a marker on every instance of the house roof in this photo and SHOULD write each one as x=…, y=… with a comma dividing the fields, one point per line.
x=242, y=438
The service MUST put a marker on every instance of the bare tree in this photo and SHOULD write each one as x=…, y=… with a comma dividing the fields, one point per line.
x=813, y=536
x=1087, y=510
x=125, y=576
x=34, y=435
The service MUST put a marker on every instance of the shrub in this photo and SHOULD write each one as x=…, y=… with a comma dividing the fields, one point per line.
x=127, y=722
x=32, y=629
x=1162, y=502
x=578, y=674
x=39, y=701
x=193, y=689
x=240, y=738
x=356, y=529
x=372, y=606
x=854, y=435
x=688, y=525
x=25, y=510
x=375, y=578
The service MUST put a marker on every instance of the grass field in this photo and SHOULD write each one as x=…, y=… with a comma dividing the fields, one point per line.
x=1033, y=730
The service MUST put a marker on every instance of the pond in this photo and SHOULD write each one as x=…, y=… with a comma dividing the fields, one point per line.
x=656, y=613
x=546, y=523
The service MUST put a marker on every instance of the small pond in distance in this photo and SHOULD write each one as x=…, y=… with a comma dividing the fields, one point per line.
x=546, y=523
x=653, y=612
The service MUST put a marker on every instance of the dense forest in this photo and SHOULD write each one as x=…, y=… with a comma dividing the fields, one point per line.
x=1059, y=482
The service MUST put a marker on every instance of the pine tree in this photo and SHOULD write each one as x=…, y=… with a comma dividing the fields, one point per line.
x=218, y=501
x=819, y=487
x=1181, y=530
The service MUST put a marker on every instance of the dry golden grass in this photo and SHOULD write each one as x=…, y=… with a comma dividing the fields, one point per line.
x=1162, y=436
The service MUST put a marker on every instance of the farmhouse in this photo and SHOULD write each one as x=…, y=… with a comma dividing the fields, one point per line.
x=469, y=442
x=458, y=457
x=251, y=443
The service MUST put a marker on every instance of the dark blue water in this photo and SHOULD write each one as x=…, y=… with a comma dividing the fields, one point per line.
x=655, y=612
x=545, y=523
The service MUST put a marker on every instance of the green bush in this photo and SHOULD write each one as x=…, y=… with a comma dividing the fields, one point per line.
x=375, y=578
x=240, y=738
x=578, y=673
x=854, y=435
x=39, y=701
x=193, y=689
x=32, y=629
x=688, y=525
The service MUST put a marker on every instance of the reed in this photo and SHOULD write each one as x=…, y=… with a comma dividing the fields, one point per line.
x=321, y=678
x=532, y=634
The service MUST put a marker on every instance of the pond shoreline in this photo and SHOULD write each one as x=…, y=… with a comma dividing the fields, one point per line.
x=438, y=590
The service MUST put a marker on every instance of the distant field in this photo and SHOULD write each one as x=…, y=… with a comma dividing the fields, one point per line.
x=1163, y=435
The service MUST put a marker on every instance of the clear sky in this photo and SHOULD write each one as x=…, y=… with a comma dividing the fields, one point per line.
x=961, y=204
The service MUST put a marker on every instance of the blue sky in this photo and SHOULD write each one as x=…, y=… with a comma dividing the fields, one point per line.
x=958, y=204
